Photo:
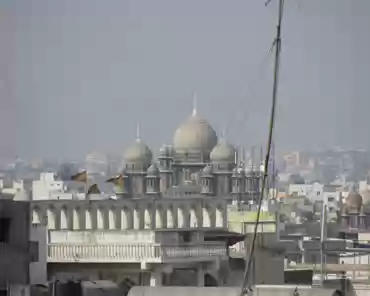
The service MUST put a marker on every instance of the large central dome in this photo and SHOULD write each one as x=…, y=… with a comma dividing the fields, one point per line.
x=195, y=134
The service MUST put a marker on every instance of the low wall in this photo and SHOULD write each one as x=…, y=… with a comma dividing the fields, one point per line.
x=265, y=290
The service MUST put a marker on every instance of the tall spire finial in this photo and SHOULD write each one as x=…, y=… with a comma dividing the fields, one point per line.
x=223, y=133
x=195, y=102
x=137, y=132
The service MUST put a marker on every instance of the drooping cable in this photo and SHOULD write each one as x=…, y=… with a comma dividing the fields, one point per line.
x=241, y=113
x=277, y=44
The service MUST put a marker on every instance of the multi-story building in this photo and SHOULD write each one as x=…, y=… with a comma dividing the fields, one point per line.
x=16, y=250
x=318, y=194
x=141, y=238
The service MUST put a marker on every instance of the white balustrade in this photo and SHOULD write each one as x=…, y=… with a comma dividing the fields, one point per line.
x=132, y=253
x=124, y=214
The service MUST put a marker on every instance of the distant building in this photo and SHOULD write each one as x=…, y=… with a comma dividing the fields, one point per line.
x=46, y=187
x=96, y=164
x=197, y=160
x=296, y=161
x=318, y=193
x=11, y=187
x=355, y=213
x=355, y=224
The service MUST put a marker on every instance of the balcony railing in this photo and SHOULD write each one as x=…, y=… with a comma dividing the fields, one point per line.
x=133, y=253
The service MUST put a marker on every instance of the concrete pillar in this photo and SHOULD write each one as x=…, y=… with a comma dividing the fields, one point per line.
x=200, y=277
x=156, y=279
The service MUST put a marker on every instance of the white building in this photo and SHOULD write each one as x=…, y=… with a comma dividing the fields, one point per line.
x=310, y=190
x=149, y=238
x=317, y=192
x=363, y=186
x=332, y=198
x=13, y=188
x=49, y=188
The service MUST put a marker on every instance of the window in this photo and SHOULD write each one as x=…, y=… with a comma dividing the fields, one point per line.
x=4, y=230
x=186, y=237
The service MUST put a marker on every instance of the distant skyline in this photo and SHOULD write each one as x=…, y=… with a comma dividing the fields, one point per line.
x=78, y=75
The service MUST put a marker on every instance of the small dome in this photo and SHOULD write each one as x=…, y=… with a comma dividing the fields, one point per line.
x=223, y=152
x=152, y=170
x=207, y=171
x=138, y=152
x=195, y=134
x=354, y=200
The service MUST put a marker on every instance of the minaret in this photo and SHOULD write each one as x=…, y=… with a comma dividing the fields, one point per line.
x=244, y=159
x=153, y=180
x=195, y=103
x=165, y=159
x=137, y=171
x=262, y=161
x=207, y=178
x=222, y=167
x=223, y=133
x=253, y=178
x=137, y=132
x=252, y=159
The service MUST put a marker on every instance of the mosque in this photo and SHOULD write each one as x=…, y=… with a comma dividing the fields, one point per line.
x=167, y=204
x=198, y=163
x=355, y=212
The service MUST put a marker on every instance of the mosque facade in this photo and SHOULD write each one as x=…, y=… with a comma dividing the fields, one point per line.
x=198, y=163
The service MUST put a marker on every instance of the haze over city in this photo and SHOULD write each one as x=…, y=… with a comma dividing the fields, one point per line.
x=141, y=153
x=78, y=76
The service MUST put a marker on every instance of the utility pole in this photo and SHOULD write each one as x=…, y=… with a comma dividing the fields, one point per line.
x=322, y=243
x=277, y=44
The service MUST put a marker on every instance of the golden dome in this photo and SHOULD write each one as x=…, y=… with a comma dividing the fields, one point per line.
x=354, y=201
x=195, y=134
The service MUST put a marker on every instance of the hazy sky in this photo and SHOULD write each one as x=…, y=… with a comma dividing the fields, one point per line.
x=78, y=75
